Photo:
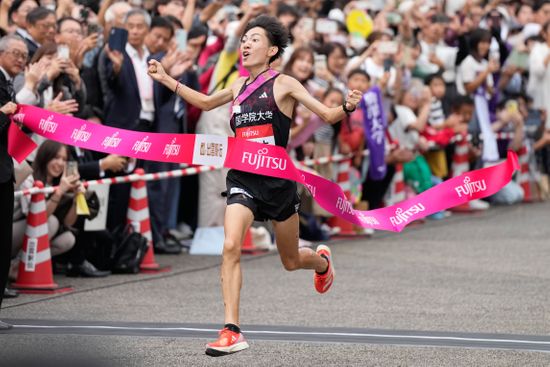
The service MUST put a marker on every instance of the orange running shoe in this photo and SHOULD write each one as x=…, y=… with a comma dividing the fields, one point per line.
x=228, y=342
x=324, y=281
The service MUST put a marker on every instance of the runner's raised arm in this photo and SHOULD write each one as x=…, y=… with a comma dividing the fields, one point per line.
x=197, y=99
x=328, y=114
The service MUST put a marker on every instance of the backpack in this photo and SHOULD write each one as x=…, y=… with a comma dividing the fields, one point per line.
x=128, y=250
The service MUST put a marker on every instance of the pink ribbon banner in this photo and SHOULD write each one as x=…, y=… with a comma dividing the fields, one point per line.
x=268, y=160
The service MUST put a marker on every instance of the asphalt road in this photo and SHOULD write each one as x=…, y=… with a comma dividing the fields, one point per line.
x=468, y=290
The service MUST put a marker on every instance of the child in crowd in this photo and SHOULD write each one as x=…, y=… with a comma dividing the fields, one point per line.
x=441, y=127
x=352, y=135
x=411, y=119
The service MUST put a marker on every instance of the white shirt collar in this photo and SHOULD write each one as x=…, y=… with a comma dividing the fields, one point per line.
x=133, y=53
x=6, y=75
x=23, y=33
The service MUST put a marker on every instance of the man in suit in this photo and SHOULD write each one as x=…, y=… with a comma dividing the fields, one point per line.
x=13, y=57
x=129, y=102
x=17, y=13
x=41, y=28
x=170, y=117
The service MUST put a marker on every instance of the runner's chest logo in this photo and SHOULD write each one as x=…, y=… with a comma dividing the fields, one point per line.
x=259, y=134
x=263, y=95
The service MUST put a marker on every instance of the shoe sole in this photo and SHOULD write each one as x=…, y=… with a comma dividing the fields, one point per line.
x=220, y=352
x=327, y=249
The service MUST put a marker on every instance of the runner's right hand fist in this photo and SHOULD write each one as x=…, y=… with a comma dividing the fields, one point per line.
x=156, y=71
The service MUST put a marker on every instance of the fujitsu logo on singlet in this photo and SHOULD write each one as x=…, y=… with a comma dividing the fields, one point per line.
x=470, y=188
x=142, y=146
x=81, y=134
x=111, y=141
x=261, y=160
x=48, y=125
x=172, y=148
x=402, y=216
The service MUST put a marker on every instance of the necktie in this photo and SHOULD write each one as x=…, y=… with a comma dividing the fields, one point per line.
x=11, y=91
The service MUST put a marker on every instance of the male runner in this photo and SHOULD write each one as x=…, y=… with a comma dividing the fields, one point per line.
x=253, y=197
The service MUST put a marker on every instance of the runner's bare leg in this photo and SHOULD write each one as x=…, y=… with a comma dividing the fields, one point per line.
x=292, y=257
x=238, y=218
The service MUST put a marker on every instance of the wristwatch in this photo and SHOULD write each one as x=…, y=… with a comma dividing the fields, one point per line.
x=348, y=112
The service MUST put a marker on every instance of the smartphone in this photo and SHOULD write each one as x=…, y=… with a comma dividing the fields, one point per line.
x=388, y=63
x=387, y=47
x=393, y=18
x=117, y=39
x=63, y=51
x=320, y=61
x=71, y=168
x=326, y=26
x=181, y=39
x=308, y=24
x=94, y=28
x=363, y=5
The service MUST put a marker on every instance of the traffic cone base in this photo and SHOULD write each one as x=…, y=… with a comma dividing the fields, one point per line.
x=35, y=266
x=43, y=289
x=138, y=216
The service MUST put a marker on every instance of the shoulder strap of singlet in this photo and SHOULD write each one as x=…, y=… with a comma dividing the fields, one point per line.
x=257, y=83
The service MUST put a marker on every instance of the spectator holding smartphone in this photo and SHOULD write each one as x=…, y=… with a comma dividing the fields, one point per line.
x=49, y=167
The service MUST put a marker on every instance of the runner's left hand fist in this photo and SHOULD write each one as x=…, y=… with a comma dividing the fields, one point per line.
x=354, y=96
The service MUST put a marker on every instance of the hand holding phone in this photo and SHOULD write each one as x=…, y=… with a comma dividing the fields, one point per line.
x=181, y=39
x=63, y=52
x=71, y=168
x=118, y=37
x=387, y=47
x=320, y=61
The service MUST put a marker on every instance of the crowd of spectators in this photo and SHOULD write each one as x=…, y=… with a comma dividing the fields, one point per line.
x=441, y=67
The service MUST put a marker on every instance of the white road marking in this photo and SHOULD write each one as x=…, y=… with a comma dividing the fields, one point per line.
x=274, y=332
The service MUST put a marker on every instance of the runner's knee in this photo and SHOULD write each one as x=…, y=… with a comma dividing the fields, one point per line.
x=291, y=264
x=231, y=249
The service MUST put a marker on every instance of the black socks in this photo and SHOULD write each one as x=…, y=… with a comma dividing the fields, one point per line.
x=234, y=328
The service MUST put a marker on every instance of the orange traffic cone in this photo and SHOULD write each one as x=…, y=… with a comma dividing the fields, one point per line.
x=397, y=191
x=460, y=165
x=35, y=268
x=525, y=176
x=346, y=228
x=138, y=216
x=248, y=246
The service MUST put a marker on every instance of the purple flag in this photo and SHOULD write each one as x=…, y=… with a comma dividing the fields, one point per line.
x=375, y=124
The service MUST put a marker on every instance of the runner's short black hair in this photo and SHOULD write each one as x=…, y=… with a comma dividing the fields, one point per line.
x=275, y=32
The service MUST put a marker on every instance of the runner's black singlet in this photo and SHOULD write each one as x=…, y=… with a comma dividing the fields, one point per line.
x=259, y=119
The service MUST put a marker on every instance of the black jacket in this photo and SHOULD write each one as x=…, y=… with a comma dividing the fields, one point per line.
x=6, y=163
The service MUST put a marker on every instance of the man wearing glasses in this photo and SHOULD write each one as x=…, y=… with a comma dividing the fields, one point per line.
x=13, y=57
x=41, y=27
